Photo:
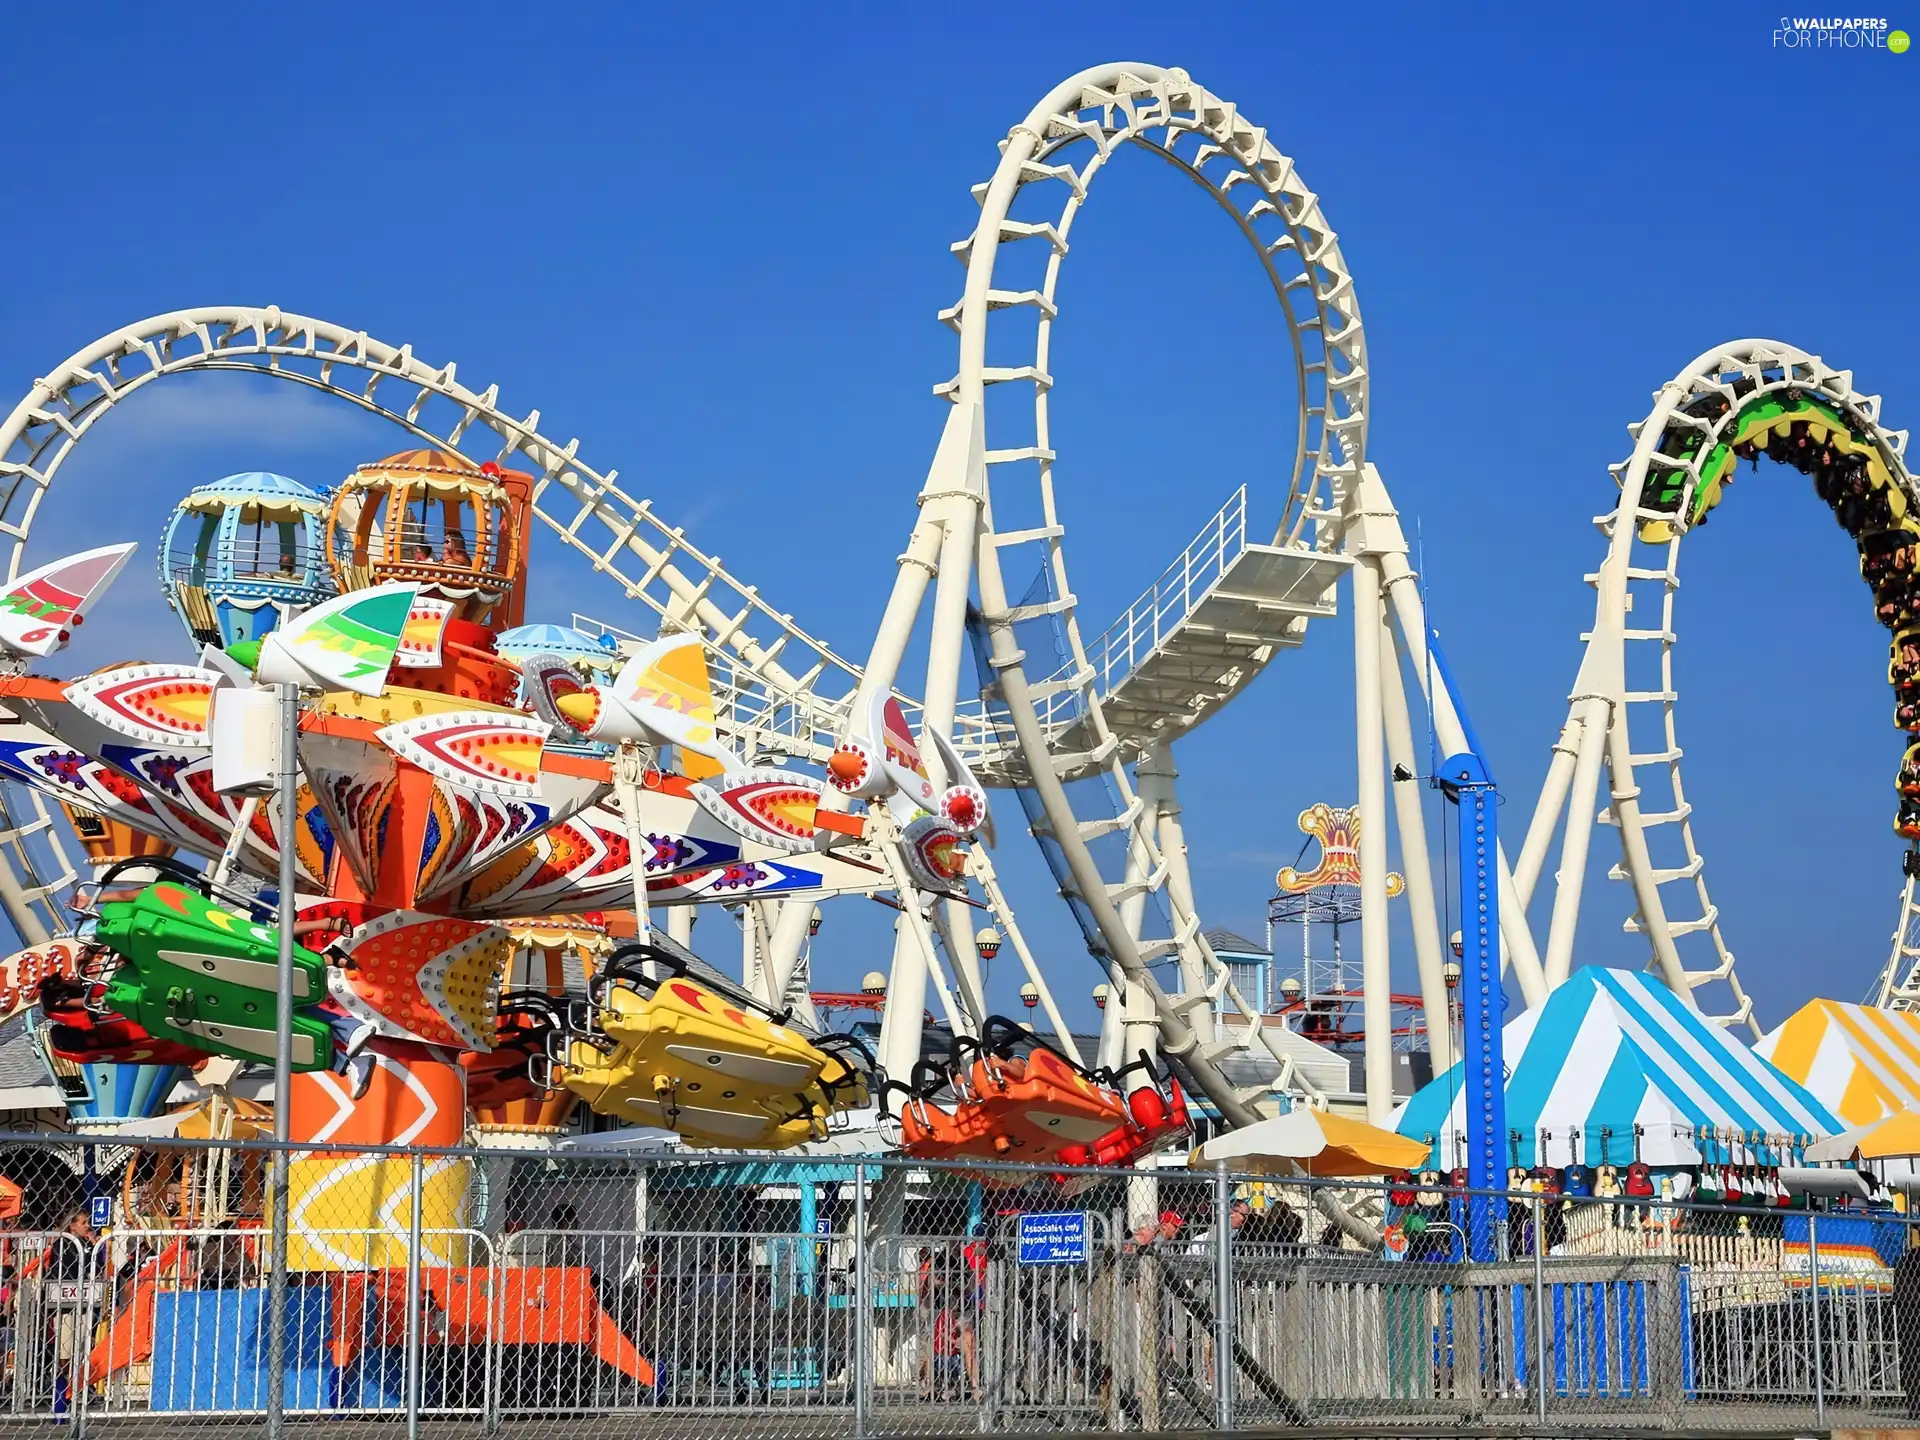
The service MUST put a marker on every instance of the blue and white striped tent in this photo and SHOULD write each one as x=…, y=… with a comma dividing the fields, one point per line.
x=1613, y=1050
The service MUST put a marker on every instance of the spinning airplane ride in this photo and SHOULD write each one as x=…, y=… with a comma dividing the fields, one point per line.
x=431, y=807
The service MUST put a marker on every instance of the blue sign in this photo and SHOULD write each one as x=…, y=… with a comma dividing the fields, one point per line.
x=823, y=1226
x=100, y=1211
x=1058, y=1239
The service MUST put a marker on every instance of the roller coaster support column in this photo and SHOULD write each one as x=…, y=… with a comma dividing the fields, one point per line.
x=753, y=972
x=1376, y=980
x=942, y=545
x=1464, y=780
x=1553, y=796
x=1410, y=824
x=788, y=947
x=1573, y=778
x=956, y=491
x=1384, y=546
x=1129, y=1024
x=629, y=765
x=1385, y=732
x=964, y=435
x=1157, y=777
x=1595, y=716
x=26, y=921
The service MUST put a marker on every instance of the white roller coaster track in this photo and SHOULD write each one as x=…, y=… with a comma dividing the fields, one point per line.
x=1898, y=985
x=1627, y=675
x=1048, y=164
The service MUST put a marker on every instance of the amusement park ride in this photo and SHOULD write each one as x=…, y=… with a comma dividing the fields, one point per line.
x=481, y=800
x=1326, y=1000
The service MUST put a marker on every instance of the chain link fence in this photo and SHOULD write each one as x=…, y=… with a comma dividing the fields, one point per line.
x=528, y=1291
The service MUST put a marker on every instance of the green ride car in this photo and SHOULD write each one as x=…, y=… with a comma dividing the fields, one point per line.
x=207, y=977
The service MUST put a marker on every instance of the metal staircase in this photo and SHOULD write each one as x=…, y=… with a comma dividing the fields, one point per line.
x=1214, y=618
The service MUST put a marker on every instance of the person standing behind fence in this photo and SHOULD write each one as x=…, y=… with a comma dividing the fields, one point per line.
x=945, y=1363
x=68, y=1259
x=1278, y=1224
x=942, y=1362
x=1188, y=1342
x=1141, y=1292
x=72, y=1321
x=1201, y=1246
x=974, y=1256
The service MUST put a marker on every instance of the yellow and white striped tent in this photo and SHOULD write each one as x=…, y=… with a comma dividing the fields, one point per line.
x=1862, y=1063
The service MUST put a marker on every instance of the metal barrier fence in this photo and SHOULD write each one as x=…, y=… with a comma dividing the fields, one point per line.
x=514, y=1291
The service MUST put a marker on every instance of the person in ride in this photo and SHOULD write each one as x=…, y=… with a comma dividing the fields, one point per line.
x=1907, y=822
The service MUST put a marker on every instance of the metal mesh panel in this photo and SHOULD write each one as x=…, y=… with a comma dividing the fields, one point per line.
x=547, y=1292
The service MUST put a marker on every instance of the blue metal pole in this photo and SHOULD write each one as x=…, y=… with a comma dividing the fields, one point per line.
x=1465, y=780
x=810, y=1228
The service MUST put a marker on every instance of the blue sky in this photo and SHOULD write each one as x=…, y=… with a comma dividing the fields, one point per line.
x=712, y=243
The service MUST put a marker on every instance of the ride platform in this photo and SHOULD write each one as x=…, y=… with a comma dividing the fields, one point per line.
x=1192, y=640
